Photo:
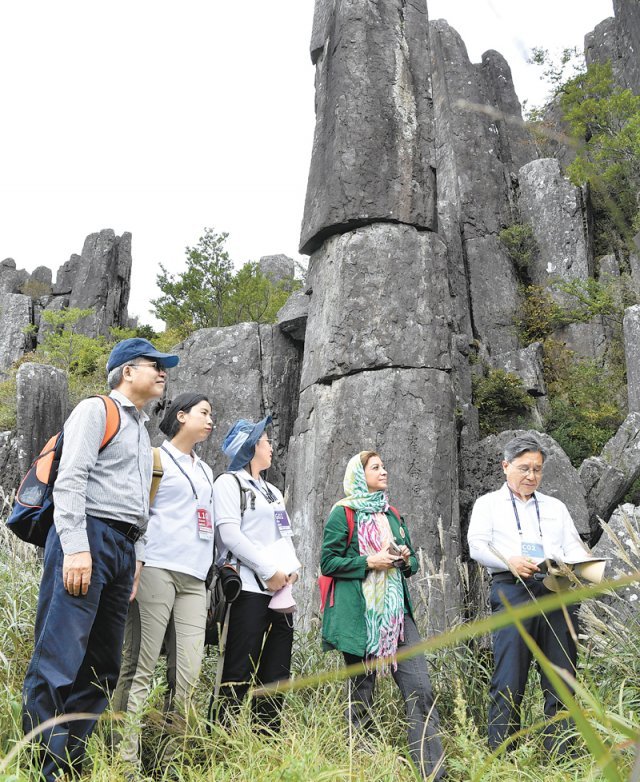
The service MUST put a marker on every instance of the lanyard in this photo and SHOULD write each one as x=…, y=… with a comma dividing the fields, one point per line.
x=515, y=510
x=268, y=494
x=193, y=488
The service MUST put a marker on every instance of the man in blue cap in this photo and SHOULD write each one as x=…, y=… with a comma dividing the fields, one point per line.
x=93, y=557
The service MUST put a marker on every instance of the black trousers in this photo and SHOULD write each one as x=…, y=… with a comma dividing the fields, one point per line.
x=258, y=651
x=512, y=660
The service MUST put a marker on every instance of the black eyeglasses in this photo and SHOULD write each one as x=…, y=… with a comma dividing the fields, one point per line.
x=159, y=367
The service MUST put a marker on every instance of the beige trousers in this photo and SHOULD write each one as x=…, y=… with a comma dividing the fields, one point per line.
x=166, y=600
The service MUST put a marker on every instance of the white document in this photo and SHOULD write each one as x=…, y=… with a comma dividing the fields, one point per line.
x=282, y=552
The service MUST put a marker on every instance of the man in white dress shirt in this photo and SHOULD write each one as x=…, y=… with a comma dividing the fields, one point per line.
x=512, y=532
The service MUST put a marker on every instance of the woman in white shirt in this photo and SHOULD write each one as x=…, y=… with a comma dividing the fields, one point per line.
x=260, y=635
x=178, y=554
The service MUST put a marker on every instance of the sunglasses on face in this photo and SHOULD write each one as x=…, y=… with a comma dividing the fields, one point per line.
x=157, y=365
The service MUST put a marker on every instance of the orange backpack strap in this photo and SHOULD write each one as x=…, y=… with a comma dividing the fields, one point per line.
x=112, y=426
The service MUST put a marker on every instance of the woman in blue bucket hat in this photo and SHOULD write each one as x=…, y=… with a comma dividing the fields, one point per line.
x=259, y=539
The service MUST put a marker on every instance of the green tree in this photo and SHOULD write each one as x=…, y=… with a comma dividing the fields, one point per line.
x=209, y=293
x=520, y=243
x=607, y=297
x=196, y=298
x=605, y=119
x=501, y=399
x=586, y=406
x=557, y=69
x=255, y=297
x=66, y=348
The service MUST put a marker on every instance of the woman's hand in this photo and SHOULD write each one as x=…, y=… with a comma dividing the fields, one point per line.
x=523, y=566
x=277, y=581
x=405, y=553
x=293, y=577
x=382, y=560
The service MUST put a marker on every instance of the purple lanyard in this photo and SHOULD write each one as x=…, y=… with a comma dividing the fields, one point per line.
x=515, y=510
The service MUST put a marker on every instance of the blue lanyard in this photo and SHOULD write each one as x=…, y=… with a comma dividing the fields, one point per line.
x=515, y=510
x=193, y=488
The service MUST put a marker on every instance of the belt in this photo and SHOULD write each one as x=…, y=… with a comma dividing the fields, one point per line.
x=507, y=577
x=131, y=531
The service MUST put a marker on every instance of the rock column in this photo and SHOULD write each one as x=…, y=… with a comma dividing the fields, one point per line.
x=377, y=359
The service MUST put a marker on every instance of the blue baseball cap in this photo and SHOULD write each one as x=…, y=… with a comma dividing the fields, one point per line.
x=128, y=349
x=239, y=444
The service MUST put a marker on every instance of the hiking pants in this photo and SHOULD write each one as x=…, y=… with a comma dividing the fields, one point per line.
x=165, y=599
x=78, y=643
x=412, y=678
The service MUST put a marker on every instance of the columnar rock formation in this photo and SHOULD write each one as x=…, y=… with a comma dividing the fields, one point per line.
x=101, y=281
x=558, y=214
x=631, y=328
x=377, y=358
x=97, y=279
x=480, y=145
x=43, y=405
x=16, y=315
x=617, y=40
x=407, y=279
x=372, y=151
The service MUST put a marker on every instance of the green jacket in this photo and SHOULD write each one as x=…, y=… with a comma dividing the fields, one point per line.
x=343, y=625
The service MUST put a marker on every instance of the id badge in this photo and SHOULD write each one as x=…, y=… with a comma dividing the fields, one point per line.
x=205, y=525
x=284, y=525
x=532, y=550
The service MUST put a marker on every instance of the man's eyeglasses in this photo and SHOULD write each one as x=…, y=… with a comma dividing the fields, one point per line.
x=526, y=470
x=157, y=365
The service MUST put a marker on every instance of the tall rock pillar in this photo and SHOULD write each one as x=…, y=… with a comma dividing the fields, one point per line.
x=377, y=359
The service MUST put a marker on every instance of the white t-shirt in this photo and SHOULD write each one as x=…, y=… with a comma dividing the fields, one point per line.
x=173, y=540
x=493, y=525
x=258, y=528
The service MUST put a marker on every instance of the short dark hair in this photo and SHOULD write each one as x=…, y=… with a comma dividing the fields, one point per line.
x=523, y=443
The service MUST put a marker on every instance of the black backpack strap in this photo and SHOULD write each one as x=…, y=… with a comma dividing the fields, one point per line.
x=244, y=490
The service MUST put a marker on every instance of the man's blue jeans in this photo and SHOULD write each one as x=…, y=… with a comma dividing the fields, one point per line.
x=78, y=645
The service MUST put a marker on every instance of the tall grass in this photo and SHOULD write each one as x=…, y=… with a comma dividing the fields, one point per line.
x=314, y=744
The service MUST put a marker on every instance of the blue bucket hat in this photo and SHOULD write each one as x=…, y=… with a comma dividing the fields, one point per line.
x=239, y=445
x=136, y=347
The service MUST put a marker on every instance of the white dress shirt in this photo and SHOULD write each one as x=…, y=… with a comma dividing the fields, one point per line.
x=493, y=531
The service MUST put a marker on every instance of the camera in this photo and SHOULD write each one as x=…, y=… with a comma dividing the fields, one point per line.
x=393, y=549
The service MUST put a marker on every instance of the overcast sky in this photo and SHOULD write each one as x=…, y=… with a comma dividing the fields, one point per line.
x=161, y=118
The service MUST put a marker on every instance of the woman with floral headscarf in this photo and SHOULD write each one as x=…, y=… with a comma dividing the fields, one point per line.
x=370, y=616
